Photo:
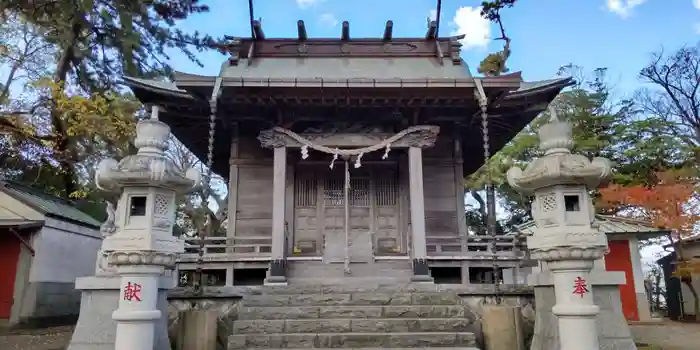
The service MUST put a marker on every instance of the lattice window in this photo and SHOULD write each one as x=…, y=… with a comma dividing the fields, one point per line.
x=333, y=192
x=305, y=192
x=386, y=192
x=548, y=202
x=359, y=192
x=162, y=204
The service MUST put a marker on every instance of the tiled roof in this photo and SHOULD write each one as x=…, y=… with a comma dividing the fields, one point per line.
x=47, y=204
x=610, y=225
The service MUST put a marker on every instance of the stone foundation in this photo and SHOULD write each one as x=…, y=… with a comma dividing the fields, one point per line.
x=613, y=331
x=47, y=304
x=96, y=330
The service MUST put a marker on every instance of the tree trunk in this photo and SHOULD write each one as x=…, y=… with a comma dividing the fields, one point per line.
x=482, y=210
x=10, y=78
x=66, y=154
x=657, y=293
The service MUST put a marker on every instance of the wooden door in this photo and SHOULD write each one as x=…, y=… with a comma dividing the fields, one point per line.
x=619, y=259
x=308, y=240
x=9, y=256
x=319, y=213
x=332, y=212
x=360, y=234
x=387, y=228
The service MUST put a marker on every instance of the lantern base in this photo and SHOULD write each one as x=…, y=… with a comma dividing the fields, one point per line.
x=96, y=330
x=613, y=331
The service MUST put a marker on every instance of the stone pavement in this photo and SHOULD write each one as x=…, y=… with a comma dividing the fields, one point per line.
x=668, y=335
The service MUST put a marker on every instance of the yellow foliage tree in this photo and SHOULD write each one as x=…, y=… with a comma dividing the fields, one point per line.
x=88, y=128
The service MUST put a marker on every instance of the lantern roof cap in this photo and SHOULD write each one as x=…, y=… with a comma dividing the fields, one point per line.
x=559, y=166
x=150, y=166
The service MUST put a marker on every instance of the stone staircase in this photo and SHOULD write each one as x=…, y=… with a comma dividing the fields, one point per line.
x=299, y=317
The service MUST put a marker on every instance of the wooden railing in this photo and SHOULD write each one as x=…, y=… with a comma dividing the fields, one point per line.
x=226, y=248
x=260, y=247
x=475, y=246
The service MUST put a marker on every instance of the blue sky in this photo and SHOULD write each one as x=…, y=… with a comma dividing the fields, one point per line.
x=546, y=34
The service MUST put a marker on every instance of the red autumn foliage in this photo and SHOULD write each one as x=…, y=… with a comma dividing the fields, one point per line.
x=669, y=204
x=672, y=204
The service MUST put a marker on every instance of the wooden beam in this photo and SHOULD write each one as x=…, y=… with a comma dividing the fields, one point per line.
x=388, y=29
x=301, y=30
x=432, y=30
x=345, y=34
x=257, y=29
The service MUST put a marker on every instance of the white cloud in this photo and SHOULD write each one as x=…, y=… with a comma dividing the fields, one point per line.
x=328, y=19
x=477, y=30
x=696, y=3
x=303, y=4
x=623, y=8
x=432, y=15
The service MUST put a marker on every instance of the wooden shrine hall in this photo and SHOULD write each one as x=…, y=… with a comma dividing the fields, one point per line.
x=345, y=157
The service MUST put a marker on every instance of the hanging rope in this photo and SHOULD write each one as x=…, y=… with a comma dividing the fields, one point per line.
x=429, y=130
x=346, y=198
x=490, y=195
x=198, y=282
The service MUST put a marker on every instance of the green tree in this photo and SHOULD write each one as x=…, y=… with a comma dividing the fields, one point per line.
x=602, y=127
x=97, y=41
x=495, y=63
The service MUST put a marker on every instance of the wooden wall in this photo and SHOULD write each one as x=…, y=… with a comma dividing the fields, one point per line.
x=439, y=186
x=252, y=166
x=254, y=194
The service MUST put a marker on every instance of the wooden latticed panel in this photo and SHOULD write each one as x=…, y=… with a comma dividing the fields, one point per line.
x=307, y=237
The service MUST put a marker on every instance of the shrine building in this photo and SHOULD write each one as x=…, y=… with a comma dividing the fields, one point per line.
x=345, y=158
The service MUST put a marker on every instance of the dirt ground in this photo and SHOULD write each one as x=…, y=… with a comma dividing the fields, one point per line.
x=668, y=335
x=663, y=336
x=56, y=338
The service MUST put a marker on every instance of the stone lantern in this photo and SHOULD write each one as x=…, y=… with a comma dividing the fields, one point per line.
x=141, y=244
x=566, y=239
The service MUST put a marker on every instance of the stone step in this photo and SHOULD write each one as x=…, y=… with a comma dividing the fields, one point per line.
x=330, y=288
x=352, y=340
x=367, y=325
x=375, y=298
x=340, y=311
x=424, y=348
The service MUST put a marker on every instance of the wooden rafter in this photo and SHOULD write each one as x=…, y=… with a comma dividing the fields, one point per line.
x=257, y=30
x=345, y=33
x=388, y=30
x=301, y=31
x=432, y=31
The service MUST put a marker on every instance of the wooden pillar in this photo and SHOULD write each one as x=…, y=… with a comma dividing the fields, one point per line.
x=421, y=272
x=233, y=186
x=459, y=189
x=277, y=273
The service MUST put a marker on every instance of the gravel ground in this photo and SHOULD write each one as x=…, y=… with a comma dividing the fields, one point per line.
x=668, y=335
x=56, y=338
x=664, y=335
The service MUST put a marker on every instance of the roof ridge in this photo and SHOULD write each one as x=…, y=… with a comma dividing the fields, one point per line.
x=35, y=191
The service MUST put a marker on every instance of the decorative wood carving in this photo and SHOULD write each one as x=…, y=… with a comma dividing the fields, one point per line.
x=418, y=136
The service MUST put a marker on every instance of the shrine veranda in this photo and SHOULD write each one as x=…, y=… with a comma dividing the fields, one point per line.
x=286, y=212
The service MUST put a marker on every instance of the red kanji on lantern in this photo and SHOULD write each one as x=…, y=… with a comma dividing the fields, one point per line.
x=580, y=287
x=132, y=292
